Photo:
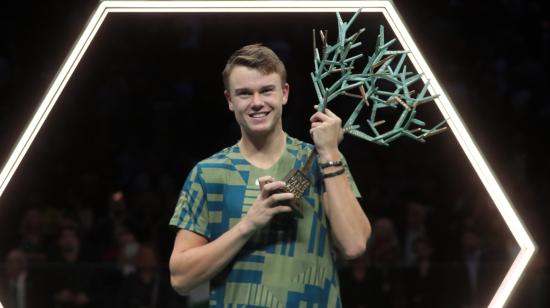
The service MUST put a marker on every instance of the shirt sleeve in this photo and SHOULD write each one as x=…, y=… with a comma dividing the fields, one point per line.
x=191, y=211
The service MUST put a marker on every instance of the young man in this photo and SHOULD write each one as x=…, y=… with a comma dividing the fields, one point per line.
x=234, y=227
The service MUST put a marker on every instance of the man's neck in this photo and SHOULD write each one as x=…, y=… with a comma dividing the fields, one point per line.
x=263, y=151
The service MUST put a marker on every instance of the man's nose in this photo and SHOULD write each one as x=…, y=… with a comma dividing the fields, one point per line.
x=257, y=99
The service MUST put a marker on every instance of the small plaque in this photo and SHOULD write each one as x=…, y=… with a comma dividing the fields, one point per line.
x=296, y=183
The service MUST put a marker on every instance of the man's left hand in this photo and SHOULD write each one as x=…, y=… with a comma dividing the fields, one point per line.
x=326, y=131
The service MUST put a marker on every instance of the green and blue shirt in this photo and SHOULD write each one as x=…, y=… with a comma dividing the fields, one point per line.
x=288, y=263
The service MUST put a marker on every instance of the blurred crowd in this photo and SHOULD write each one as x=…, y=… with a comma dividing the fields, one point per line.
x=59, y=262
x=416, y=259
x=95, y=234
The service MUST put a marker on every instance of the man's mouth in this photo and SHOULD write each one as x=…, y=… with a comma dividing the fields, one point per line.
x=257, y=115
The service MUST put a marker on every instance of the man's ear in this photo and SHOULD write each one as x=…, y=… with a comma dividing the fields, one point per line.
x=286, y=89
x=228, y=99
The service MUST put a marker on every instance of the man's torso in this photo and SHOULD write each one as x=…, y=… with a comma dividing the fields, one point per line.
x=287, y=263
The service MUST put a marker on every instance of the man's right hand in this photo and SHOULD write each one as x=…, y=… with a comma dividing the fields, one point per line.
x=267, y=204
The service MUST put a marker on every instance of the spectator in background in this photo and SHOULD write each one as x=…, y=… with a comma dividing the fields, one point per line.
x=149, y=286
x=416, y=227
x=126, y=251
x=384, y=251
x=71, y=280
x=33, y=239
x=123, y=254
x=425, y=279
x=384, y=247
x=356, y=283
x=104, y=235
x=472, y=273
x=146, y=203
x=13, y=283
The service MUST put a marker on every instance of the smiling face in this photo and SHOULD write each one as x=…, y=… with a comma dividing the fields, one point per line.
x=257, y=100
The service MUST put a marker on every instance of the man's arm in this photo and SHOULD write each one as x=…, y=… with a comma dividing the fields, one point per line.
x=350, y=226
x=194, y=260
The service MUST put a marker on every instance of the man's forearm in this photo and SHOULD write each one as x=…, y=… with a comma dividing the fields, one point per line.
x=196, y=265
x=349, y=224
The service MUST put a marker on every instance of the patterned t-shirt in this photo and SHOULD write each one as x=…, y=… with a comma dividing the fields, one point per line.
x=288, y=263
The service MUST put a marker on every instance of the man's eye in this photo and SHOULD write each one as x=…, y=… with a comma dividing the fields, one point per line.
x=243, y=94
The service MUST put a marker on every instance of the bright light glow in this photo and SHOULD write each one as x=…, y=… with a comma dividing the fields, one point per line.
x=395, y=21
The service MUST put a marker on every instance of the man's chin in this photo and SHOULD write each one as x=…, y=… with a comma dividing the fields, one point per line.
x=259, y=130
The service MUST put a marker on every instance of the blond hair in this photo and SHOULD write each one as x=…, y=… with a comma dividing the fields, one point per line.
x=255, y=56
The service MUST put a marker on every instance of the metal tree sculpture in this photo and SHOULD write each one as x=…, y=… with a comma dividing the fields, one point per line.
x=384, y=65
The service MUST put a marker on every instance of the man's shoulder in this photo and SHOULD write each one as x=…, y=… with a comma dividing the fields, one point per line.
x=293, y=141
x=298, y=147
x=222, y=159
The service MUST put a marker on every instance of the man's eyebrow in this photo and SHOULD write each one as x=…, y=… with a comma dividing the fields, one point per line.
x=268, y=87
x=246, y=90
x=242, y=90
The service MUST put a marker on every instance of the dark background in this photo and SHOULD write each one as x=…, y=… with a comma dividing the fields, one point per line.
x=146, y=103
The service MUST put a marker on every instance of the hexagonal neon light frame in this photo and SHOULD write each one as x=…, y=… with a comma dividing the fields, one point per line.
x=387, y=8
